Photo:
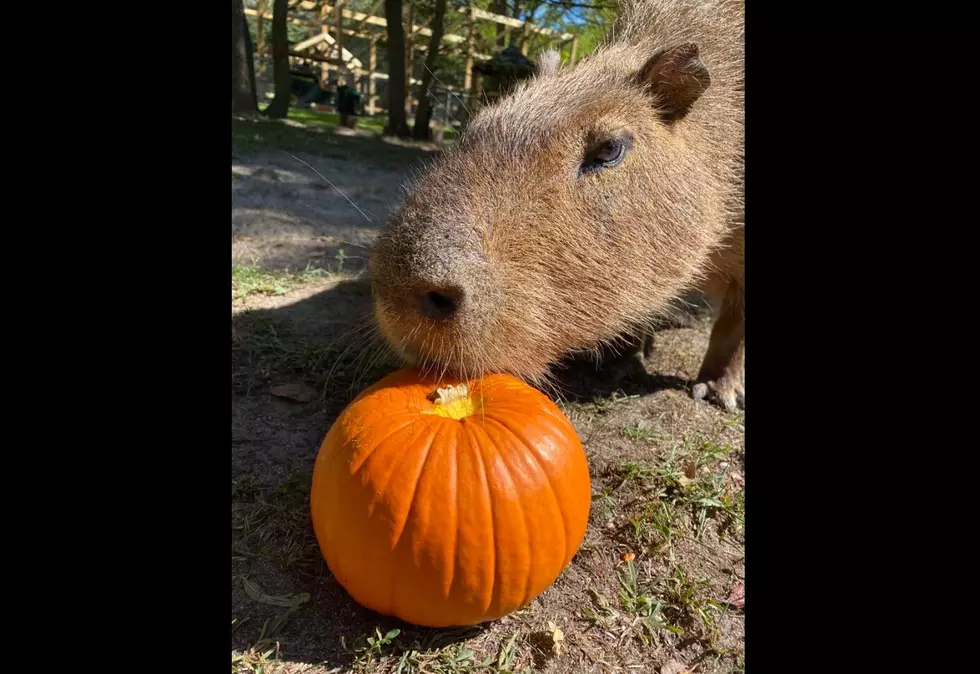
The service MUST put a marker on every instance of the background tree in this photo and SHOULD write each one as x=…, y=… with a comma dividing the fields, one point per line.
x=397, y=117
x=243, y=99
x=424, y=113
x=260, y=6
x=280, y=62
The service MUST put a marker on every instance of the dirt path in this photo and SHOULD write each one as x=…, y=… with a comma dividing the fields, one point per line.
x=286, y=216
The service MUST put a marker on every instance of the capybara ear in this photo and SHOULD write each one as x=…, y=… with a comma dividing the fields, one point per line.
x=549, y=63
x=676, y=77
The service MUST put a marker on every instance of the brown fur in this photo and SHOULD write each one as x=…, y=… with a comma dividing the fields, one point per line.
x=543, y=261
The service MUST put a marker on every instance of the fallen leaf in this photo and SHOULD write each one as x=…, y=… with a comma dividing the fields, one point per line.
x=737, y=596
x=674, y=667
x=690, y=469
x=298, y=392
x=557, y=637
x=690, y=473
x=258, y=594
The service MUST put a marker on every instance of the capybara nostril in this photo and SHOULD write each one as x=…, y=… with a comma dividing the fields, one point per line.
x=442, y=303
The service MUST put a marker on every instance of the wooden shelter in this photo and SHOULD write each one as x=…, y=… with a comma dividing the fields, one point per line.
x=331, y=25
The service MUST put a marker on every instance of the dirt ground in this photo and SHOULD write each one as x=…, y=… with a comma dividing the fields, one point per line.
x=658, y=583
x=285, y=215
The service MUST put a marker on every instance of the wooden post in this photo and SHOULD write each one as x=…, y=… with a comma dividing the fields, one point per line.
x=571, y=60
x=468, y=75
x=525, y=37
x=324, y=68
x=476, y=99
x=339, y=20
x=372, y=64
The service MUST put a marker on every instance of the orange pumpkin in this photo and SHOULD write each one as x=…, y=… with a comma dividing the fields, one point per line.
x=449, y=506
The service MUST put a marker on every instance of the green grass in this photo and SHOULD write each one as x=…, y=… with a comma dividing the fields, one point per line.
x=373, y=648
x=332, y=119
x=385, y=652
x=248, y=136
x=641, y=433
x=264, y=651
x=639, y=613
x=263, y=349
x=315, y=117
x=329, y=121
x=688, y=602
x=263, y=135
x=635, y=598
x=653, y=528
x=273, y=524
x=689, y=486
x=248, y=280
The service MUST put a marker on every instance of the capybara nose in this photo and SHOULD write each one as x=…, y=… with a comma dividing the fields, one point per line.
x=440, y=303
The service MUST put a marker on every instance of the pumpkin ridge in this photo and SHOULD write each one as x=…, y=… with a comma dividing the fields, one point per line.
x=415, y=488
x=539, y=463
x=392, y=585
x=528, y=535
x=381, y=488
x=455, y=510
x=476, y=443
x=377, y=445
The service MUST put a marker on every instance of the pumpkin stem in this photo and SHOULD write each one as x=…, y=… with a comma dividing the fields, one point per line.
x=450, y=394
x=452, y=402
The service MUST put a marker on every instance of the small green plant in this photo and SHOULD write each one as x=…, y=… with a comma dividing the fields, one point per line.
x=603, y=405
x=507, y=656
x=411, y=662
x=683, y=483
x=458, y=659
x=656, y=518
x=605, y=501
x=246, y=281
x=340, y=257
x=265, y=649
x=600, y=613
x=645, y=608
x=373, y=650
x=636, y=471
x=640, y=433
x=273, y=523
x=376, y=644
x=689, y=600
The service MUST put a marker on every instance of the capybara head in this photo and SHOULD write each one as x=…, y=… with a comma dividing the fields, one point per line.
x=571, y=212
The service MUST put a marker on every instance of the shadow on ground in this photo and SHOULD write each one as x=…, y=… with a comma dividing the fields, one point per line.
x=313, y=197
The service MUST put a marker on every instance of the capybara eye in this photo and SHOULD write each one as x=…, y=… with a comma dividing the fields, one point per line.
x=606, y=154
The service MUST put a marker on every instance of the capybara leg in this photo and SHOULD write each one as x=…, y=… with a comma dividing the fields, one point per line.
x=720, y=378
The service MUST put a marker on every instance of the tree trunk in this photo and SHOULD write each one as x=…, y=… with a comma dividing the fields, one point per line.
x=424, y=112
x=280, y=61
x=397, y=119
x=260, y=7
x=409, y=55
x=500, y=7
x=243, y=100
